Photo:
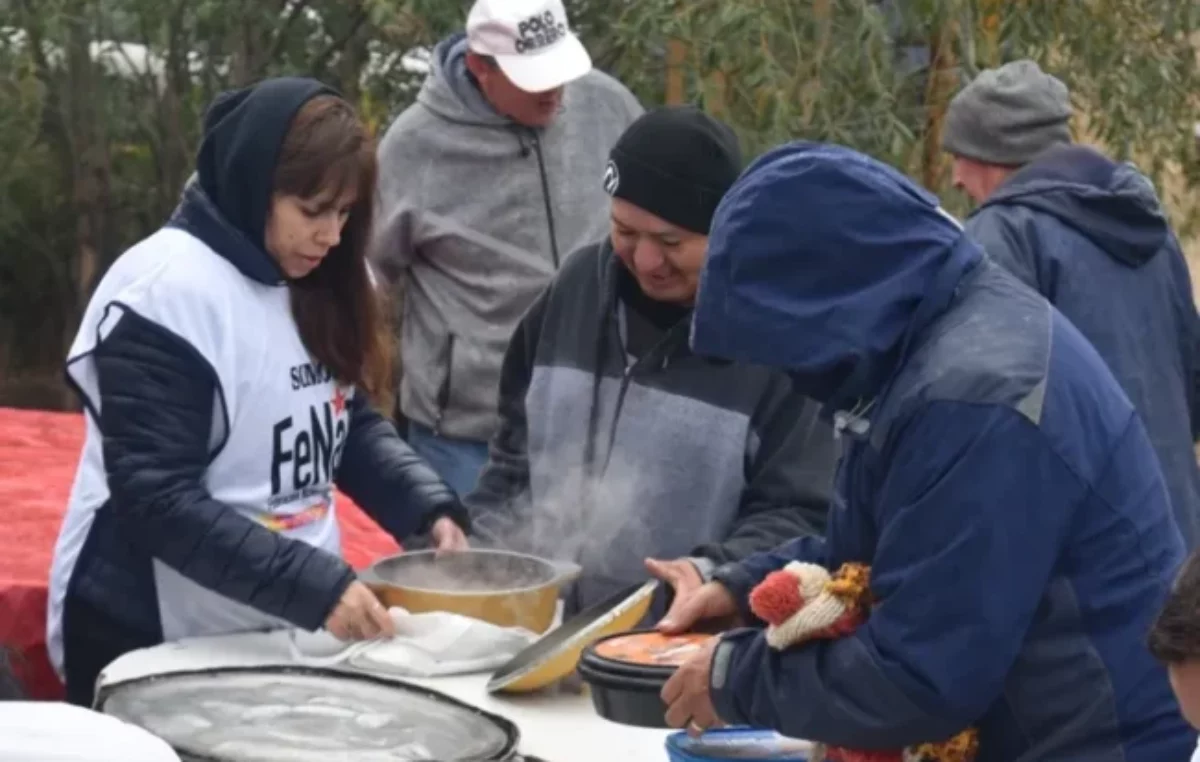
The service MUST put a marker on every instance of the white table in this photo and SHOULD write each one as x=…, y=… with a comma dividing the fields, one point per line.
x=558, y=728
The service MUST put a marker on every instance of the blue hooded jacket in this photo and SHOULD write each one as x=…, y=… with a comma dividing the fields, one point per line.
x=994, y=477
x=1089, y=235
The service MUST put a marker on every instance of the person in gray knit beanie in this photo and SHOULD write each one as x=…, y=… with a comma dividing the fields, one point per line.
x=1001, y=121
x=1008, y=115
x=1090, y=235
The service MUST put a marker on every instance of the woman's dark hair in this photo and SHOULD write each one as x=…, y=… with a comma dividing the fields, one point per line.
x=1175, y=635
x=340, y=313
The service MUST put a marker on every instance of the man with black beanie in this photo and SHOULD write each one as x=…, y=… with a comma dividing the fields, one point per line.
x=617, y=446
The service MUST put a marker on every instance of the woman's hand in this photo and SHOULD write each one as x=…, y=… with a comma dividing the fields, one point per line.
x=448, y=535
x=360, y=616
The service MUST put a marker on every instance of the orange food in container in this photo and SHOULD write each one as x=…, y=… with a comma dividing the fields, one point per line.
x=626, y=672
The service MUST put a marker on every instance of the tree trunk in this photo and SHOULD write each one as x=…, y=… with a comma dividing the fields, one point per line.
x=717, y=94
x=676, y=80
x=177, y=154
x=90, y=178
x=940, y=88
x=990, y=30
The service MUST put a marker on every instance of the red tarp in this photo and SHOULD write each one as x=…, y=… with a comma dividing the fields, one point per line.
x=38, y=454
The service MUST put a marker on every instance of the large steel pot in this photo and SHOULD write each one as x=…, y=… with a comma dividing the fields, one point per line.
x=498, y=586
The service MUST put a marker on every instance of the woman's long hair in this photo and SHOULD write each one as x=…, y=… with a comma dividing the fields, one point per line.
x=340, y=313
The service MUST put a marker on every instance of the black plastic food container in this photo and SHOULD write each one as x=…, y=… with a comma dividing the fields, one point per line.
x=628, y=692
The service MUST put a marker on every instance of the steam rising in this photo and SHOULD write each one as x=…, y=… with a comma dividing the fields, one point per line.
x=597, y=522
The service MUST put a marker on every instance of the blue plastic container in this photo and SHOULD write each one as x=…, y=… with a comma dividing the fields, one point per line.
x=728, y=744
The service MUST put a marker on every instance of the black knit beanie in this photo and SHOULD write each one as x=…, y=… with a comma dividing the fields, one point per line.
x=675, y=162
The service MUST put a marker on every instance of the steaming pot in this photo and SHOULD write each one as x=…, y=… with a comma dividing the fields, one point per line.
x=498, y=586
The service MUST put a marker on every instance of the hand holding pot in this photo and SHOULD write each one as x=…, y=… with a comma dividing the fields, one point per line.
x=448, y=535
x=711, y=604
x=360, y=616
x=687, y=696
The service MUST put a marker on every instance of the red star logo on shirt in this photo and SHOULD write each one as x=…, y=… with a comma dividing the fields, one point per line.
x=339, y=400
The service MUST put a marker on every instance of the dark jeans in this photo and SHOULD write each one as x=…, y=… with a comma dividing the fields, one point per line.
x=458, y=461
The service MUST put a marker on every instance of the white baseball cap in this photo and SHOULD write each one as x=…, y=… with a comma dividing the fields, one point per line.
x=530, y=40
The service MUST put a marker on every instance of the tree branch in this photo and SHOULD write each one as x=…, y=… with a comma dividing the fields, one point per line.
x=279, y=39
x=321, y=61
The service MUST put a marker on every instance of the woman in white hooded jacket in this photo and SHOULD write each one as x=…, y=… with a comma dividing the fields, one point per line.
x=228, y=364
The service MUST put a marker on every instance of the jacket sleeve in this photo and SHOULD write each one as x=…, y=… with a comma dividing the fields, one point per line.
x=1194, y=388
x=965, y=488
x=395, y=239
x=1189, y=330
x=740, y=577
x=501, y=496
x=789, y=477
x=394, y=485
x=1010, y=239
x=156, y=415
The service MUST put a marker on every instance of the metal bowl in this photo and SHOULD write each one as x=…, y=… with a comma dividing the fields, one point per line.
x=498, y=586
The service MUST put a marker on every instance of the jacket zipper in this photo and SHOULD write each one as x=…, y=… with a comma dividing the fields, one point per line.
x=655, y=362
x=537, y=149
x=443, y=395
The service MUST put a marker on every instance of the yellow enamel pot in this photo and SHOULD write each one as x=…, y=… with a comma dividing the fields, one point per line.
x=556, y=654
x=498, y=586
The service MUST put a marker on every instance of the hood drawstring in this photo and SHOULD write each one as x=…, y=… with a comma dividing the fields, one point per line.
x=853, y=421
x=607, y=301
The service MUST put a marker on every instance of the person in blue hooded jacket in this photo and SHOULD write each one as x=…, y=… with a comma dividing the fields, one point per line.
x=994, y=477
x=1090, y=235
x=229, y=365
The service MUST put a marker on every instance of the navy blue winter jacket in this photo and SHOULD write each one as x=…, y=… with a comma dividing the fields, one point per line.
x=995, y=478
x=1090, y=235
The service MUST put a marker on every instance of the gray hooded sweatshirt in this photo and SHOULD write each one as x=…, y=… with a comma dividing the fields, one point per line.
x=475, y=213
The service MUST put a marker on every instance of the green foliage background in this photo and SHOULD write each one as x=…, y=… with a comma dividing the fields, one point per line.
x=95, y=142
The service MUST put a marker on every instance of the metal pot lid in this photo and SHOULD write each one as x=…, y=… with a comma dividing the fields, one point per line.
x=540, y=663
x=289, y=714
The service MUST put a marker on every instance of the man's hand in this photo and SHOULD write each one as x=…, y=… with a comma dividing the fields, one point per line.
x=711, y=604
x=360, y=616
x=683, y=577
x=686, y=694
x=447, y=535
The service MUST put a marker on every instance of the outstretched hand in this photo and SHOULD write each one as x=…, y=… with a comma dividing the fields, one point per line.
x=681, y=574
x=711, y=605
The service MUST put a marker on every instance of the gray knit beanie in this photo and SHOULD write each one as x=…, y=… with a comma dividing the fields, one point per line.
x=1008, y=115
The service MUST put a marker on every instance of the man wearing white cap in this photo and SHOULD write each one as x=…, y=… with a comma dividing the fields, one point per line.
x=484, y=187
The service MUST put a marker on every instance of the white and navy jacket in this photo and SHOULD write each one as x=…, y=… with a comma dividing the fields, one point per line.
x=204, y=499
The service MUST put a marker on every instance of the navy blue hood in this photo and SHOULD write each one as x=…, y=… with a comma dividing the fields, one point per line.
x=244, y=131
x=1113, y=205
x=824, y=262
